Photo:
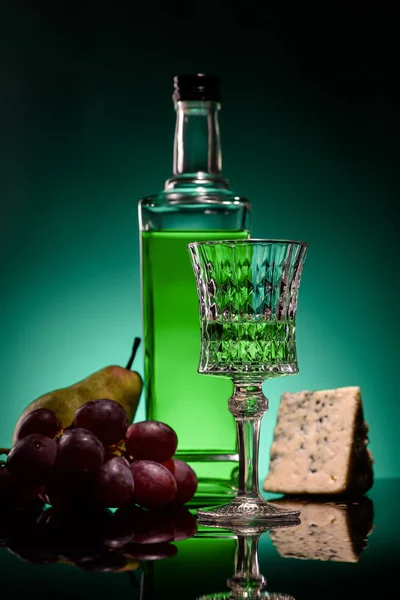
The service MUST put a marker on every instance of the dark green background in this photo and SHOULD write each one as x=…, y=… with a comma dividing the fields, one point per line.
x=310, y=133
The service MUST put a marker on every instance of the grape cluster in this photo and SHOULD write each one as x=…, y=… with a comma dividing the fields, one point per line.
x=99, y=461
x=95, y=539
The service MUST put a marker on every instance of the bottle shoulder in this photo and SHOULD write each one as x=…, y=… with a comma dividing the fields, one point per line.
x=194, y=210
x=193, y=196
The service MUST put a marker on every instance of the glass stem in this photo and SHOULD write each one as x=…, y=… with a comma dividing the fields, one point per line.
x=247, y=555
x=248, y=405
x=248, y=431
x=247, y=582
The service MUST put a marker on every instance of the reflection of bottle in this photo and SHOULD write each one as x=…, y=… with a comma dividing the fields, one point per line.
x=196, y=204
x=200, y=562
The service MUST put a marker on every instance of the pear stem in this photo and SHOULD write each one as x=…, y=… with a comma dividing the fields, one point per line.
x=136, y=345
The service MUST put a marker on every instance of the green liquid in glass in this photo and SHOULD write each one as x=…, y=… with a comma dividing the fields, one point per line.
x=251, y=346
x=196, y=406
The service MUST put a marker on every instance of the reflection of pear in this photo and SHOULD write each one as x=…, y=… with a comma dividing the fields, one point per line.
x=113, y=382
x=131, y=565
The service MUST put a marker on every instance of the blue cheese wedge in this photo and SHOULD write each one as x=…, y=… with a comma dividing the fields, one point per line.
x=320, y=444
x=329, y=531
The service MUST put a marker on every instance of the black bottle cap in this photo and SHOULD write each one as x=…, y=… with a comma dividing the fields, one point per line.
x=196, y=87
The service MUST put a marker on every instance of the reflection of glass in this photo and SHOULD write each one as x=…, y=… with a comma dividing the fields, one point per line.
x=247, y=581
x=248, y=299
x=332, y=530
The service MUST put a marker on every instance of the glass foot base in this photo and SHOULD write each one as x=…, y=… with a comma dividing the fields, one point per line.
x=251, y=511
x=228, y=596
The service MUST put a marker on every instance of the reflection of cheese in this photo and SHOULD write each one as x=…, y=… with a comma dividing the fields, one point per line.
x=328, y=530
x=319, y=444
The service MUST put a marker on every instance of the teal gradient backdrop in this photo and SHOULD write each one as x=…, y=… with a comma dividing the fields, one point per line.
x=310, y=125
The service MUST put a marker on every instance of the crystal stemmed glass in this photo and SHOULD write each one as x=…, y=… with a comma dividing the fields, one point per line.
x=247, y=582
x=247, y=293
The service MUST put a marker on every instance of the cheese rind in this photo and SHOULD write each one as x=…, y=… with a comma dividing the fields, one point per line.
x=329, y=531
x=320, y=444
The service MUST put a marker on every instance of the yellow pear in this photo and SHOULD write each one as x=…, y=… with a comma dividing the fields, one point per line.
x=113, y=382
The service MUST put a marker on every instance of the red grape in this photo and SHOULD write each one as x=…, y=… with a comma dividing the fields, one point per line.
x=151, y=440
x=186, y=480
x=41, y=420
x=114, y=484
x=15, y=493
x=105, y=418
x=109, y=455
x=155, y=486
x=32, y=459
x=66, y=490
x=16, y=523
x=79, y=451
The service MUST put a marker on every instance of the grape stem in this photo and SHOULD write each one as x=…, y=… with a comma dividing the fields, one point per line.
x=121, y=450
x=135, y=346
x=4, y=450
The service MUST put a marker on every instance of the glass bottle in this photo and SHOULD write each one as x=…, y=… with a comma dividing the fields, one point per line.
x=195, y=204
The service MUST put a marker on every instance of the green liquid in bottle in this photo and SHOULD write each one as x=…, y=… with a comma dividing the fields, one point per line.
x=195, y=405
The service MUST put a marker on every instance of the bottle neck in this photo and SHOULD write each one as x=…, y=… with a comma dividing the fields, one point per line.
x=197, y=145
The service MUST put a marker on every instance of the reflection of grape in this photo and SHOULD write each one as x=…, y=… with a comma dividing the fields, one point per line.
x=32, y=553
x=32, y=459
x=94, y=539
x=79, y=451
x=156, y=527
x=186, y=480
x=41, y=420
x=77, y=534
x=185, y=523
x=150, y=551
x=107, y=419
x=151, y=440
x=27, y=538
x=148, y=526
x=118, y=531
x=113, y=485
x=155, y=486
x=107, y=561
